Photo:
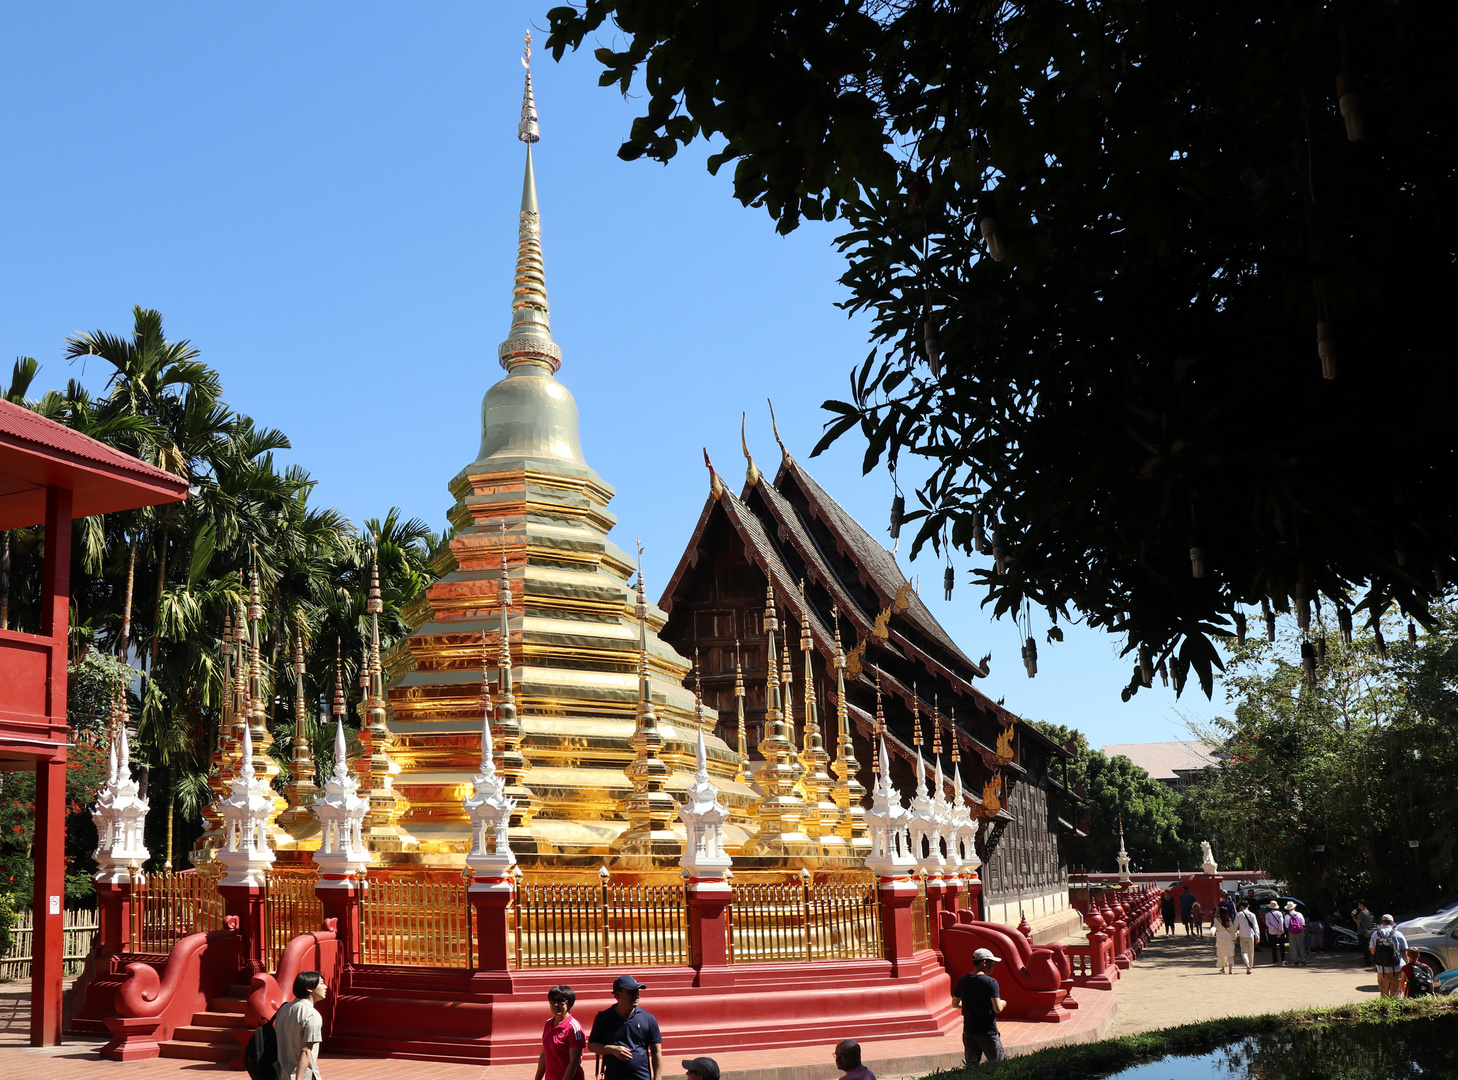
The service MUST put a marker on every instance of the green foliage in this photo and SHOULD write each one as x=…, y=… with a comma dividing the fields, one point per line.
x=7, y=919
x=1097, y=242
x=1118, y=791
x=1326, y=784
x=154, y=587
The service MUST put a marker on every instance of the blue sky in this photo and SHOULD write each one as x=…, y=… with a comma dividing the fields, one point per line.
x=323, y=198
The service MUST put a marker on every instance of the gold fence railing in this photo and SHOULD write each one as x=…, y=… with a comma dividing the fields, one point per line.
x=580, y=924
x=833, y=919
x=292, y=908
x=417, y=919
x=920, y=937
x=167, y=906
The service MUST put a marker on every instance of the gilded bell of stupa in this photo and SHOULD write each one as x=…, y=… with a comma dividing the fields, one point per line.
x=594, y=725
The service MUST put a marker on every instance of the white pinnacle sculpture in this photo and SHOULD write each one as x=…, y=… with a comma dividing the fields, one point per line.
x=887, y=822
x=927, y=820
x=703, y=817
x=245, y=855
x=489, y=809
x=119, y=815
x=1123, y=857
x=1207, y=859
x=342, y=855
x=962, y=829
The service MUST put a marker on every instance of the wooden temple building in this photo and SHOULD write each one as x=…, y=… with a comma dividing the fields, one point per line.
x=789, y=535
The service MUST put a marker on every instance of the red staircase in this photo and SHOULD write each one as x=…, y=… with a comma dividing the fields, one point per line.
x=210, y=1036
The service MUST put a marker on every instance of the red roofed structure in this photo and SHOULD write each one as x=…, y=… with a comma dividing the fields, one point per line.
x=50, y=474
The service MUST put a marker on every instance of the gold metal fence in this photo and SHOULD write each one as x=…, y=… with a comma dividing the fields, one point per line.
x=832, y=919
x=292, y=908
x=920, y=938
x=417, y=919
x=167, y=906
x=579, y=924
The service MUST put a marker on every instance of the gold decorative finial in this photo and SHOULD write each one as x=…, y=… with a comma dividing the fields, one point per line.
x=528, y=130
x=936, y=725
x=776, y=427
x=529, y=341
x=915, y=715
x=880, y=728
x=751, y=472
x=716, y=486
x=742, y=773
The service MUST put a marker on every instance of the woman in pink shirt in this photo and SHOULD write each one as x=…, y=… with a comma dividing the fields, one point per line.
x=562, y=1039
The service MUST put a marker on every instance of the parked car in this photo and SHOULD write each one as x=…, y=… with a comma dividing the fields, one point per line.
x=1439, y=949
x=1431, y=920
x=1447, y=981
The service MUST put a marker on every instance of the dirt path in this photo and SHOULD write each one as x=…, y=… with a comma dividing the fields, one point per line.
x=1176, y=982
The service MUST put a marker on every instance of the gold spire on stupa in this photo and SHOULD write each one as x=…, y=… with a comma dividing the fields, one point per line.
x=382, y=830
x=849, y=793
x=301, y=791
x=650, y=809
x=741, y=773
x=822, y=816
x=780, y=810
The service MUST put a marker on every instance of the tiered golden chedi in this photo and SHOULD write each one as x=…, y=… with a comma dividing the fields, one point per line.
x=579, y=755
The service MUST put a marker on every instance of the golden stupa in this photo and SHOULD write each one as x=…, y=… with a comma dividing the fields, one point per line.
x=596, y=751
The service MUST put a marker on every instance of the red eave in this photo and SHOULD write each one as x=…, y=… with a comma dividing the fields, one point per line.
x=37, y=453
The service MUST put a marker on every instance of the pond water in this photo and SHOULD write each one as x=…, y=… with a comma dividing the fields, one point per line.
x=1400, y=1051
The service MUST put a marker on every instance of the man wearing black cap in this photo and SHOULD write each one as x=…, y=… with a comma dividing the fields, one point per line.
x=627, y=1038
x=700, y=1069
x=977, y=995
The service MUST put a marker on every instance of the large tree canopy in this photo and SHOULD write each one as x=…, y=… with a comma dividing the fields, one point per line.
x=1154, y=286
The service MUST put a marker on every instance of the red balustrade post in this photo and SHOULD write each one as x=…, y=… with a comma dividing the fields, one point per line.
x=340, y=899
x=897, y=895
x=936, y=890
x=491, y=897
x=709, y=904
x=246, y=902
x=113, y=916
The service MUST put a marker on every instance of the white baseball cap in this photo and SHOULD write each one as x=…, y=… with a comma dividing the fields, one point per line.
x=983, y=954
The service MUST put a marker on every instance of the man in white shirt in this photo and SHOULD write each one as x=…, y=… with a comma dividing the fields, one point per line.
x=300, y=1029
x=1388, y=951
x=1276, y=927
x=1247, y=930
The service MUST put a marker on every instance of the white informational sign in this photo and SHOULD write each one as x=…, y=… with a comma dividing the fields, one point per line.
x=55, y=905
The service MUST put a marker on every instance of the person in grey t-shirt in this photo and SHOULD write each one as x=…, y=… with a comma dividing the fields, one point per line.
x=300, y=1029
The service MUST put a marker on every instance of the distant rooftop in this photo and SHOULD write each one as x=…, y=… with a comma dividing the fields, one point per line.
x=1167, y=760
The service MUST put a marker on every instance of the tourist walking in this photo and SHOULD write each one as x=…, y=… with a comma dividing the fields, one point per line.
x=1388, y=948
x=1276, y=928
x=977, y=995
x=1187, y=905
x=1197, y=919
x=1366, y=924
x=1225, y=942
x=1247, y=930
x=627, y=1037
x=1167, y=913
x=300, y=1029
x=1296, y=927
x=562, y=1038
x=848, y=1061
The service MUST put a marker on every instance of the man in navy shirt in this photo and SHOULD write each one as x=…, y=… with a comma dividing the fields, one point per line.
x=626, y=1037
x=977, y=995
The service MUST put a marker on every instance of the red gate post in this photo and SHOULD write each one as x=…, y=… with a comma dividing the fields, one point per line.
x=709, y=901
x=897, y=896
x=48, y=901
x=491, y=897
x=113, y=916
x=936, y=889
x=339, y=899
x=246, y=902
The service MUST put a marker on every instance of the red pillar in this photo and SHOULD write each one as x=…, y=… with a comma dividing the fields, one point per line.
x=340, y=900
x=113, y=916
x=708, y=912
x=49, y=852
x=48, y=901
x=936, y=890
x=246, y=902
x=897, y=896
x=493, y=941
x=952, y=901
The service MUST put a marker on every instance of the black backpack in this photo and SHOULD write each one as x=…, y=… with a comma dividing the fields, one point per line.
x=1420, y=981
x=1384, y=953
x=261, y=1056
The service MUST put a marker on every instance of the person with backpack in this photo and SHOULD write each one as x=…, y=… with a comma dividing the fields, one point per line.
x=300, y=1029
x=1296, y=927
x=1388, y=949
x=1418, y=979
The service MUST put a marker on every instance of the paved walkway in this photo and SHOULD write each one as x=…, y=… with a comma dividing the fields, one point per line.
x=1175, y=982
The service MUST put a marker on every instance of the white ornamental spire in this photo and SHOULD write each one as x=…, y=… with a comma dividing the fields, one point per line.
x=488, y=806
x=119, y=813
x=246, y=856
x=702, y=814
x=342, y=855
x=887, y=821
